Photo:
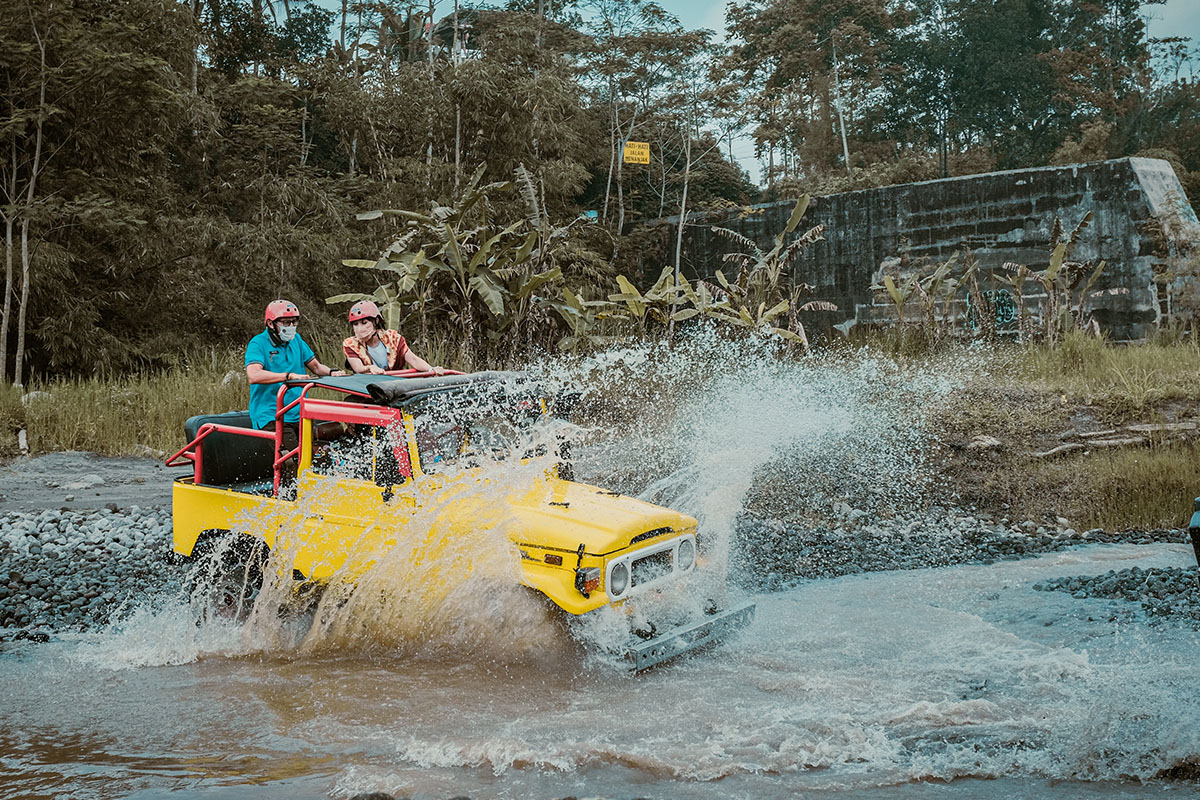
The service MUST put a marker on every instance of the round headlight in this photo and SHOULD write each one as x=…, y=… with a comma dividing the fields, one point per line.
x=685, y=556
x=618, y=579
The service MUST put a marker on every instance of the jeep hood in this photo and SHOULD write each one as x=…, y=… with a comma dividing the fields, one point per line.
x=561, y=515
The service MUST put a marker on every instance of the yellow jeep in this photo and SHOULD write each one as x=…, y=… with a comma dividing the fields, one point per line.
x=388, y=447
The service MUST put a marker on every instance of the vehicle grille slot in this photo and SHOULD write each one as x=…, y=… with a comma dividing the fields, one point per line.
x=641, y=537
x=651, y=567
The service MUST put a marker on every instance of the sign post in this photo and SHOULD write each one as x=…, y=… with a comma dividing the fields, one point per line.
x=637, y=153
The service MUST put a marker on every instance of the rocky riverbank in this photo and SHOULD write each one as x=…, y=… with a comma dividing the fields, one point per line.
x=73, y=570
x=1162, y=593
x=777, y=553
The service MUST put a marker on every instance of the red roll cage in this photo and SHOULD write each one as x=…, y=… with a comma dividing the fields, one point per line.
x=341, y=411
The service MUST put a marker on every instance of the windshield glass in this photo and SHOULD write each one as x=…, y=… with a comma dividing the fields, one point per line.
x=453, y=430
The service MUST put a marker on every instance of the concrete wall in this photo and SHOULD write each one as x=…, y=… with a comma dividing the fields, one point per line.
x=1141, y=215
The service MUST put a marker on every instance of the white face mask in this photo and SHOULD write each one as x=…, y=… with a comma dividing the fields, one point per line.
x=287, y=332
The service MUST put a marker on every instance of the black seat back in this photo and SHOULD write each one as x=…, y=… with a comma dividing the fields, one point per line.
x=228, y=457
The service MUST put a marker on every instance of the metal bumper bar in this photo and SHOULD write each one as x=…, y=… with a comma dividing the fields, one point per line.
x=688, y=637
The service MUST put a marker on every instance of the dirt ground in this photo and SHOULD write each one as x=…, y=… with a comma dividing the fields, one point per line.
x=76, y=481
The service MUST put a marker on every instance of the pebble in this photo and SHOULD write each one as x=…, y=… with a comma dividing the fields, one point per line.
x=1171, y=592
x=66, y=570
x=770, y=553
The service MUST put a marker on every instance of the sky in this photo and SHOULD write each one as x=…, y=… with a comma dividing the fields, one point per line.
x=1176, y=18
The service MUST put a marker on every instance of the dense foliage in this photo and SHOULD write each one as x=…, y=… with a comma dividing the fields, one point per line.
x=167, y=167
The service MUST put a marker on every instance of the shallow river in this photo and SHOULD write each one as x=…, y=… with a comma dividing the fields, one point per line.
x=880, y=685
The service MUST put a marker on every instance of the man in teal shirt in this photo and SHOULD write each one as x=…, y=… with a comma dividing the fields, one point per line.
x=275, y=356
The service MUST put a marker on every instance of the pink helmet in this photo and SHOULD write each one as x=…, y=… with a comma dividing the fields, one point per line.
x=364, y=309
x=281, y=308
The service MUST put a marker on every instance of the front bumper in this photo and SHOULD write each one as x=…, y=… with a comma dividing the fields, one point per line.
x=676, y=642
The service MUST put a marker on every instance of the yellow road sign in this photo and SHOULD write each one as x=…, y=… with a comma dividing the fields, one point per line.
x=637, y=152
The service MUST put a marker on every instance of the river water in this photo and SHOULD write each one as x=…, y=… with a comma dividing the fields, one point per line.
x=880, y=685
x=958, y=682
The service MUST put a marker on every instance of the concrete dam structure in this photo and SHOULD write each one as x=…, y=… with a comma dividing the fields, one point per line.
x=1142, y=225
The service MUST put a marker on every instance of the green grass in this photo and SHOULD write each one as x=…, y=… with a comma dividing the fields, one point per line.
x=1142, y=487
x=122, y=416
x=1123, y=489
x=1123, y=379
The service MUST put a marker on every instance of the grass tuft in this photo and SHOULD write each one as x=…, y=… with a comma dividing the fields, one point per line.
x=122, y=416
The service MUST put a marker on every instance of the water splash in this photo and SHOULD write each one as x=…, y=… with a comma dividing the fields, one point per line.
x=719, y=428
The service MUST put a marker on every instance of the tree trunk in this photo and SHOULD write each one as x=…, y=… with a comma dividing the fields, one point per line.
x=457, y=108
x=621, y=178
x=345, y=12
x=613, y=149
x=35, y=168
x=304, y=134
x=837, y=94
x=457, y=144
x=468, y=345
x=429, y=129
x=687, y=174
x=18, y=367
x=8, y=292
x=10, y=194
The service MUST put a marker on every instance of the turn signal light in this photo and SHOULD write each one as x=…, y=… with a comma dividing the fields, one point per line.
x=587, y=580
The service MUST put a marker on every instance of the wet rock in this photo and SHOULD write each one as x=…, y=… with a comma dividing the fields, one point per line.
x=1161, y=593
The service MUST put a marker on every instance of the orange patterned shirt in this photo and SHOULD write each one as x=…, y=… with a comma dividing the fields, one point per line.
x=396, y=346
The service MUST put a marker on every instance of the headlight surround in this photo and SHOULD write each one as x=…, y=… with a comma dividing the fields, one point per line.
x=618, y=579
x=627, y=574
x=685, y=555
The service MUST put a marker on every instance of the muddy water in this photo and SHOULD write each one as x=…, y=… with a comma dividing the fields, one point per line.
x=883, y=685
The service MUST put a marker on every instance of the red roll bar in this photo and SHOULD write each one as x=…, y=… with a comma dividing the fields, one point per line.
x=193, y=452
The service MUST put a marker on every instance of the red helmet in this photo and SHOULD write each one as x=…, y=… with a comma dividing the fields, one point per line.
x=364, y=309
x=281, y=308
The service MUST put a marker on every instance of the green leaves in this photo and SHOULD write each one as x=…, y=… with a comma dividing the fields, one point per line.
x=459, y=255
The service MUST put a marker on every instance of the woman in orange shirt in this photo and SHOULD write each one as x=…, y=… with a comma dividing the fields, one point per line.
x=375, y=349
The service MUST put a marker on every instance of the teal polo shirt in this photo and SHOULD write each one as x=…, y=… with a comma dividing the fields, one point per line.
x=289, y=357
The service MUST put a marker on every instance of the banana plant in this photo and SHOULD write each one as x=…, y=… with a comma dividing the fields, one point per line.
x=760, y=271
x=661, y=302
x=581, y=317
x=1015, y=279
x=414, y=278
x=899, y=294
x=459, y=252
x=391, y=303
x=1068, y=284
x=755, y=299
